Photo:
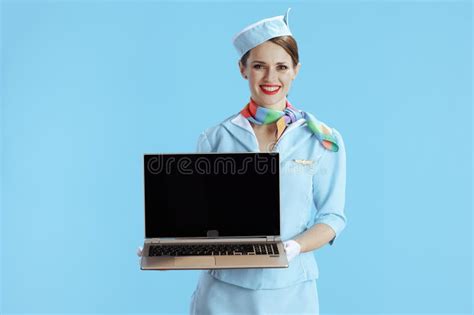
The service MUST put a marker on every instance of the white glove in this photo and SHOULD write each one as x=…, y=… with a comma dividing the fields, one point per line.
x=139, y=251
x=292, y=249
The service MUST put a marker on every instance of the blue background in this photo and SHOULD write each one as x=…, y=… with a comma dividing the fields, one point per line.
x=88, y=87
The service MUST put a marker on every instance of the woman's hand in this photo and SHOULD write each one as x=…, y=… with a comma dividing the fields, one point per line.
x=140, y=254
x=292, y=249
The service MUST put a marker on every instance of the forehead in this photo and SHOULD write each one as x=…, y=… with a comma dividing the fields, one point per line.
x=269, y=52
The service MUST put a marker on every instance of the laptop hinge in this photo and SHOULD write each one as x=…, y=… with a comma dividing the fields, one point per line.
x=173, y=240
x=153, y=240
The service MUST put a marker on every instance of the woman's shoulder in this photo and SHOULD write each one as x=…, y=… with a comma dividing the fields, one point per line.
x=320, y=122
x=214, y=129
x=218, y=132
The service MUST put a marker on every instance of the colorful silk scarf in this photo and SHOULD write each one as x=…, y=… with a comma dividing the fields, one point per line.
x=261, y=116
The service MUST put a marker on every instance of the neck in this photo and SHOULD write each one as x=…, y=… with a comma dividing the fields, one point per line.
x=281, y=105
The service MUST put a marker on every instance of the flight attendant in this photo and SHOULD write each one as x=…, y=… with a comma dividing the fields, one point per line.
x=312, y=179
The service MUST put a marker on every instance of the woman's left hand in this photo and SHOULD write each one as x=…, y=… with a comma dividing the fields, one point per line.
x=292, y=249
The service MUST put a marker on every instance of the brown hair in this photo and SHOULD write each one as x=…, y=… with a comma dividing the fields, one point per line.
x=288, y=43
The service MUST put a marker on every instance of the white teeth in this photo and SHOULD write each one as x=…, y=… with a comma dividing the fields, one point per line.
x=270, y=89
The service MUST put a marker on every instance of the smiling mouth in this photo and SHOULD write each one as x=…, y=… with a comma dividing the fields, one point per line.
x=270, y=89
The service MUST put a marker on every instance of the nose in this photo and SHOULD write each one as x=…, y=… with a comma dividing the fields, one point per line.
x=271, y=75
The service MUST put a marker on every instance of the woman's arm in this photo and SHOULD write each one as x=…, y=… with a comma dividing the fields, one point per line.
x=329, y=184
x=316, y=237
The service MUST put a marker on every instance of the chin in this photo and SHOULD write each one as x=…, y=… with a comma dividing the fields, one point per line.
x=269, y=100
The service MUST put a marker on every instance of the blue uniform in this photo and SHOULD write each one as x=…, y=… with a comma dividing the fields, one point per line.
x=312, y=190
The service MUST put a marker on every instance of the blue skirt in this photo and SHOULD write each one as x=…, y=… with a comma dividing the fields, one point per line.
x=213, y=296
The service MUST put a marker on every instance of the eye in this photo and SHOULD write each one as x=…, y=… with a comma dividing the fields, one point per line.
x=282, y=67
x=257, y=66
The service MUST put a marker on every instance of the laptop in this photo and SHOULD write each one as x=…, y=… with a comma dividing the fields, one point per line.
x=212, y=211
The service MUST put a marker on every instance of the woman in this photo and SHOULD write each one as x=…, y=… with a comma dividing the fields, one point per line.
x=312, y=179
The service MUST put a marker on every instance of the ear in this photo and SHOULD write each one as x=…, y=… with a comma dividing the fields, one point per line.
x=297, y=70
x=242, y=70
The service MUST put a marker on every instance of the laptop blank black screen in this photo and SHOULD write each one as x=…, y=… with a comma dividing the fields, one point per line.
x=208, y=195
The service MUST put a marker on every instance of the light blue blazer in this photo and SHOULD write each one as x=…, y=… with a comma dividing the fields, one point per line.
x=312, y=190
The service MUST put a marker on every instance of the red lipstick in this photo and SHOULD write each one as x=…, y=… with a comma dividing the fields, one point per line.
x=268, y=92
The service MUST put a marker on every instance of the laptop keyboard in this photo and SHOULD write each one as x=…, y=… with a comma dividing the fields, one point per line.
x=214, y=249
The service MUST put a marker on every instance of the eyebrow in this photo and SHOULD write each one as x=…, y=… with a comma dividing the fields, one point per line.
x=278, y=63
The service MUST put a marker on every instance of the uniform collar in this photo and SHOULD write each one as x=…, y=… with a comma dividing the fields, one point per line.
x=243, y=123
x=241, y=129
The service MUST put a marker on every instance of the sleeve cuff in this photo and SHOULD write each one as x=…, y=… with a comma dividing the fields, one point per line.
x=335, y=222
